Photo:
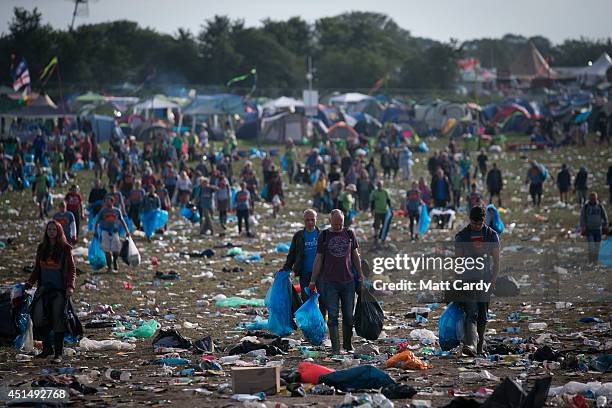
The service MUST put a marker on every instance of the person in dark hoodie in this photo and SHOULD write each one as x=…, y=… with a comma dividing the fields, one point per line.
x=54, y=275
x=495, y=183
x=564, y=181
x=475, y=241
x=440, y=188
x=581, y=185
x=593, y=224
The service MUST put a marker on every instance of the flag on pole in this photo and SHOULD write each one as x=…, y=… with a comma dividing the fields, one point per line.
x=21, y=75
x=48, y=70
x=378, y=84
x=241, y=77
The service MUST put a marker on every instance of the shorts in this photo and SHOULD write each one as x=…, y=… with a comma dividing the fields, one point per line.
x=40, y=197
x=379, y=220
x=110, y=242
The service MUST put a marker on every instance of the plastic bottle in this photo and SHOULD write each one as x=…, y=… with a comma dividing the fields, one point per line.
x=229, y=359
x=592, y=343
x=257, y=353
x=537, y=326
x=118, y=375
x=551, y=365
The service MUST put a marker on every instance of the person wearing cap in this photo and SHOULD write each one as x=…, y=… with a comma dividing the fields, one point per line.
x=346, y=202
x=476, y=240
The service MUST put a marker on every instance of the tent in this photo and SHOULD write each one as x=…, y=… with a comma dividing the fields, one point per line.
x=395, y=113
x=589, y=75
x=436, y=114
x=341, y=131
x=283, y=103
x=369, y=105
x=530, y=64
x=250, y=127
x=90, y=97
x=217, y=104
x=103, y=126
x=40, y=108
x=156, y=102
x=366, y=124
x=283, y=127
x=351, y=97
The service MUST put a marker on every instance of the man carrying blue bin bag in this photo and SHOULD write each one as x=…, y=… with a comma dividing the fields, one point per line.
x=337, y=252
x=478, y=245
x=302, y=252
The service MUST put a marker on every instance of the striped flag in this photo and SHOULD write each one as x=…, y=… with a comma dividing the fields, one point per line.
x=21, y=76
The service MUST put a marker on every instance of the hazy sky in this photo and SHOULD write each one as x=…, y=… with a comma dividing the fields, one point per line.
x=438, y=19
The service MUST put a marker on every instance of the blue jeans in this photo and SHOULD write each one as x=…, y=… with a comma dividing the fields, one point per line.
x=593, y=237
x=336, y=295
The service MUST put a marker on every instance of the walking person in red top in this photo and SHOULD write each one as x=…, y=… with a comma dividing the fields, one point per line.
x=74, y=204
x=54, y=275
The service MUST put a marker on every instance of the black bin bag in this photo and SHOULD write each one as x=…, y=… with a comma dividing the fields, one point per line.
x=369, y=316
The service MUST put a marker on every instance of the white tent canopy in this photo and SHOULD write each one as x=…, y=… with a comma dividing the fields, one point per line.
x=283, y=102
x=351, y=97
x=590, y=75
x=157, y=102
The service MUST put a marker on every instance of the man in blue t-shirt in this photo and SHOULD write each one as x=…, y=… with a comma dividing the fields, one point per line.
x=67, y=221
x=110, y=219
x=302, y=252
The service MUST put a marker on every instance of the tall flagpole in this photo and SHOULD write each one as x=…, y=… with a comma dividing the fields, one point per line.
x=59, y=78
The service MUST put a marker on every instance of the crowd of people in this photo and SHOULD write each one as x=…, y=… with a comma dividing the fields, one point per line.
x=178, y=172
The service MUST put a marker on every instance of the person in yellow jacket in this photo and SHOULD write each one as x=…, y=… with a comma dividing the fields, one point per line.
x=318, y=191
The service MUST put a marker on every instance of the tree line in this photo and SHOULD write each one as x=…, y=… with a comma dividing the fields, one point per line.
x=354, y=50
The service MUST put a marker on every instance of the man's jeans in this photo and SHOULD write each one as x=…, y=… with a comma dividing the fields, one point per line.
x=593, y=237
x=336, y=295
x=475, y=322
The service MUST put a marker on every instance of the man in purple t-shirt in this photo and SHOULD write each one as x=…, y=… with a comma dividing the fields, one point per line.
x=337, y=252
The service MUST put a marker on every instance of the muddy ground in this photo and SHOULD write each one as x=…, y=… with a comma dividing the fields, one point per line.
x=546, y=256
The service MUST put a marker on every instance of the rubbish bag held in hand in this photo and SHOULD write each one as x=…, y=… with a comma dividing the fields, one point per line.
x=153, y=220
x=95, y=254
x=424, y=220
x=73, y=324
x=605, y=253
x=494, y=219
x=310, y=320
x=369, y=316
x=450, y=327
x=190, y=215
x=278, y=302
x=133, y=256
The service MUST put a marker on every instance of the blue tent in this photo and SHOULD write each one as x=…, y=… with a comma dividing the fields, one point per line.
x=250, y=128
x=218, y=104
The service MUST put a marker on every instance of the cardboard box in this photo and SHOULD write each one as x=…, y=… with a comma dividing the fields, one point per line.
x=249, y=380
